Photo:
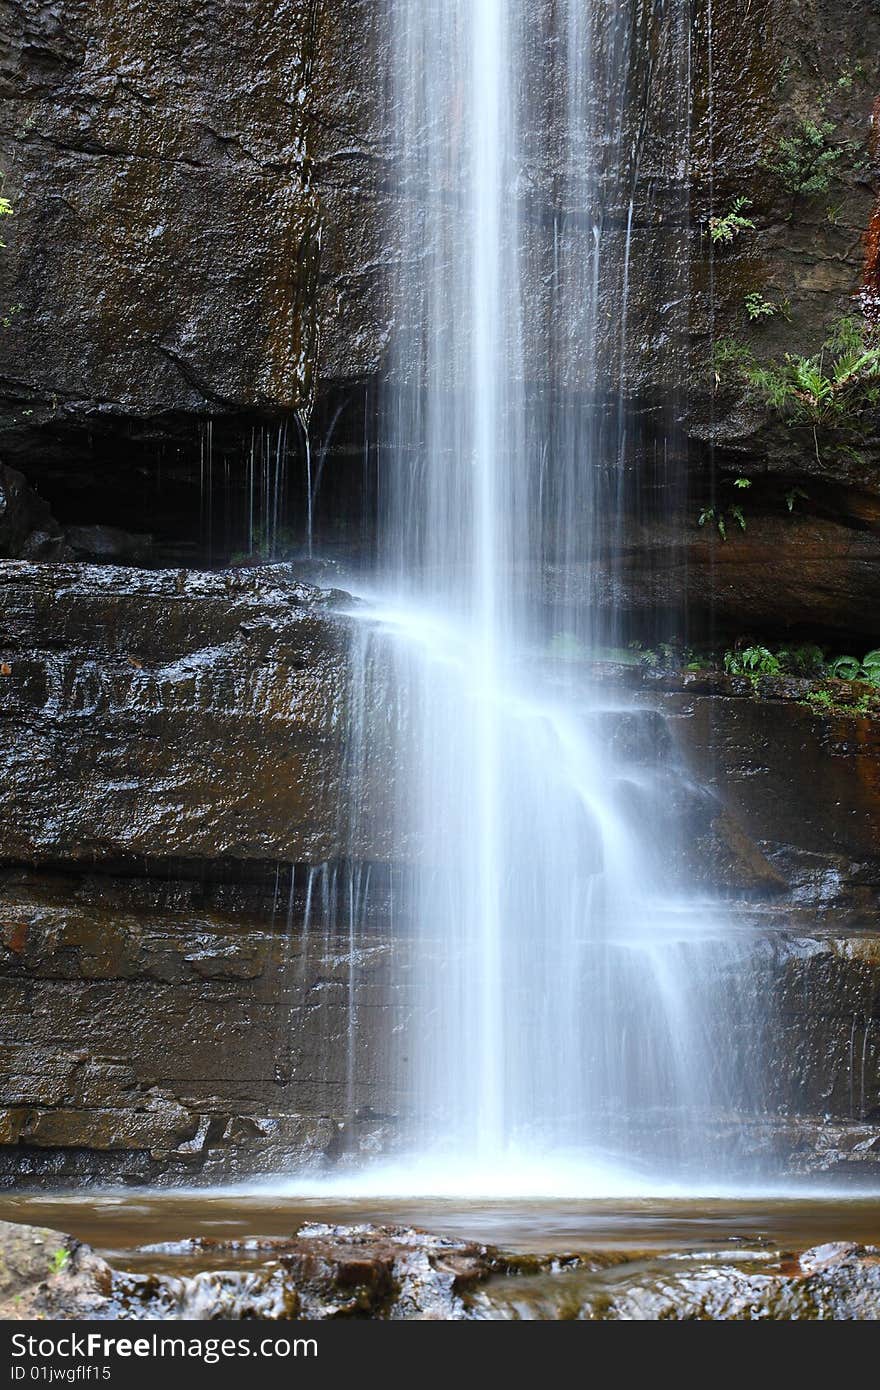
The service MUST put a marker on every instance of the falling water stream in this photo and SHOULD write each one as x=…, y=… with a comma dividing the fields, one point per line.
x=576, y=1031
x=571, y=1003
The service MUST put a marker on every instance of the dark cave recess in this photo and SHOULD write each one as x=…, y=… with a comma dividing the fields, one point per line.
x=204, y=491
x=246, y=488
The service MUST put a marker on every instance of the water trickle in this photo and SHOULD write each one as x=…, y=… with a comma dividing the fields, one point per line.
x=569, y=1001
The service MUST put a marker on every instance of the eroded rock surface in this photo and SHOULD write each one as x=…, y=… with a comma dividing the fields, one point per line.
x=333, y=1272
x=171, y=714
x=834, y=1282
x=177, y=791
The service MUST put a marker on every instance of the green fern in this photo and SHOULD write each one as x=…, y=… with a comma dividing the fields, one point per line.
x=752, y=662
x=724, y=230
x=757, y=307
x=834, y=387
x=845, y=668
x=795, y=495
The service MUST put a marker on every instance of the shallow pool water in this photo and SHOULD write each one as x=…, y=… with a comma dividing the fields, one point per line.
x=117, y=1223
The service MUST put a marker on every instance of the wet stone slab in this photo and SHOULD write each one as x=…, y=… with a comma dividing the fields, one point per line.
x=364, y=1271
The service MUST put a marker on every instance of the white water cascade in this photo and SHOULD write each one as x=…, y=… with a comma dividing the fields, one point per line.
x=569, y=1002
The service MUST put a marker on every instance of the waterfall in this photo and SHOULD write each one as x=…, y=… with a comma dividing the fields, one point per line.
x=569, y=1001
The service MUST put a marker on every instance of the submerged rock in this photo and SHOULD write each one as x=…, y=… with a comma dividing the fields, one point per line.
x=323, y=1272
x=390, y=1272
x=835, y=1282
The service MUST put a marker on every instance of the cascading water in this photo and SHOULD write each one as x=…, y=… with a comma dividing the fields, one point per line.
x=567, y=1002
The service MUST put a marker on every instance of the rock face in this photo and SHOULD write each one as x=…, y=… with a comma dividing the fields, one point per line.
x=173, y=1029
x=176, y=792
x=194, y=345
x=172, y=715
x=204, y=214
x=163, y=255
x=185, y=988
x=802, y=779
x=790, y=576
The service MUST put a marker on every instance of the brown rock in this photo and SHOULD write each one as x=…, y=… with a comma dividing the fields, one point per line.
x=184, y=715
x=46, y=1274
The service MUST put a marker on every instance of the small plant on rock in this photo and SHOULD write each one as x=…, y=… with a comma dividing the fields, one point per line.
x=804, y=660
x=795, y=495
x=806, y=161
x=723, y=516
x=808, y=661
x=7, y=210
x=724, y=230
x=752, y=662
x=850, y=668
x=843, y=378
x=836, y=388
x=668, y=656
x=758, y=308
x=820, y=699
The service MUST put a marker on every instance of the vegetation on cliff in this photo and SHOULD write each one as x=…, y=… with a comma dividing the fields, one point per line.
x=835, y=386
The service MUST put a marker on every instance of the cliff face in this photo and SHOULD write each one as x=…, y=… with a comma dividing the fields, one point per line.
x=205, y=208
x=193, y=292
x=163, y=252
x=193, y=977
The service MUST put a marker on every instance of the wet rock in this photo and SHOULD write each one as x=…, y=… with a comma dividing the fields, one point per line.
x=154, y=211
x=839, y=1283
x=807, y=573
x=341, y=1272
x=324, y=1272
x=108, y=545
x=173, y=771
x=331, y=1272
x=724, y=856
x=835, y=1282
x=171, y=791
x=174, y=714
x=27, y=527
x=194, y=192
x=159, y=1124
x=25, y=1256
x=849, y=1151
x=162, y=1028
x=46, y=1274
x=801, y=781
